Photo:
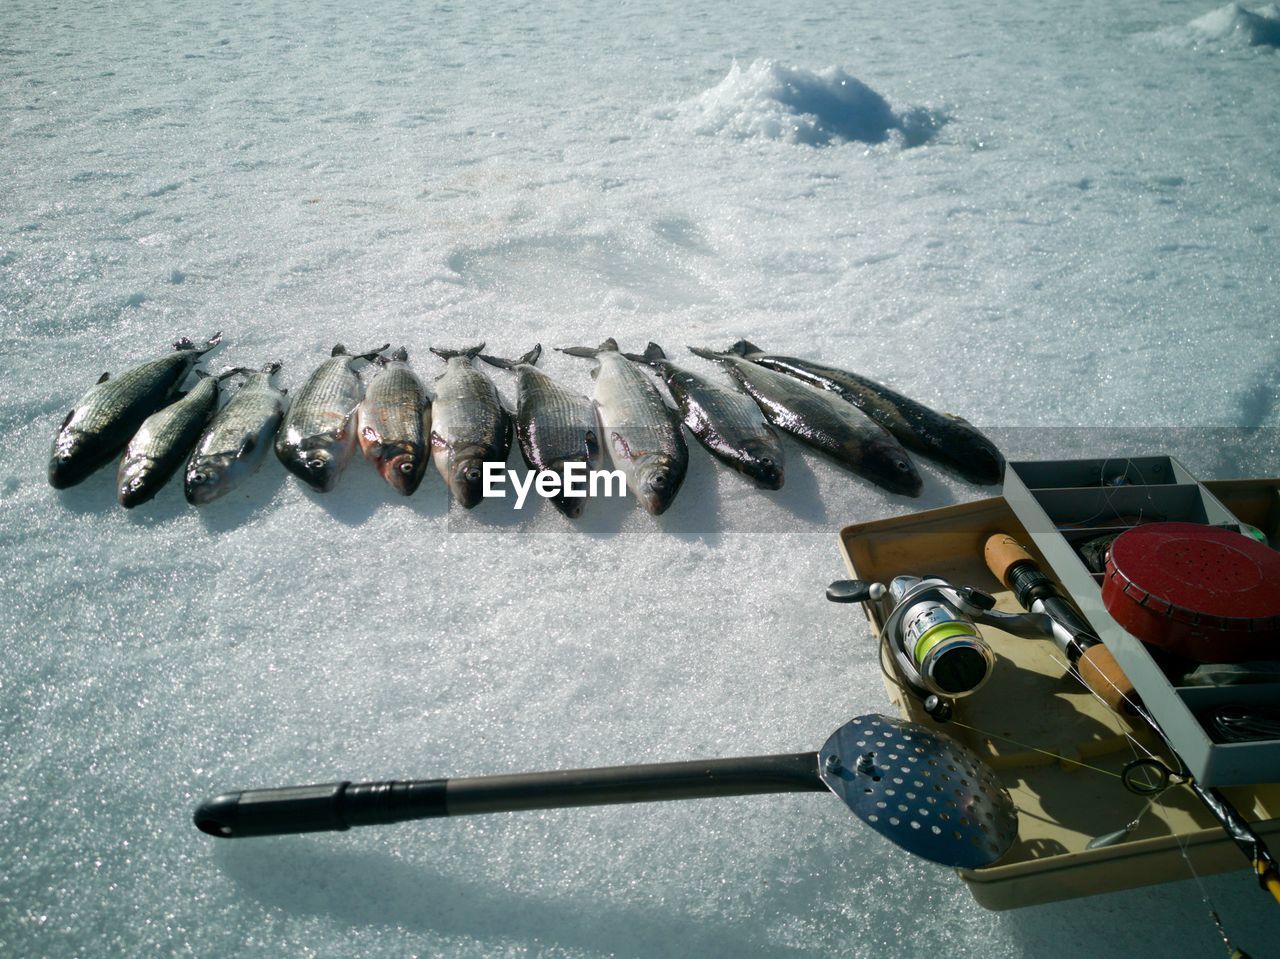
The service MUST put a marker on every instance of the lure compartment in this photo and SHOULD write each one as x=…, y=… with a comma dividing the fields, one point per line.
x=1062, y=504
x=1052, y=723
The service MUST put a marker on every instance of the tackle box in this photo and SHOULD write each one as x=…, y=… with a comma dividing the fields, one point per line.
x=1057, y=749
x=1064, y=503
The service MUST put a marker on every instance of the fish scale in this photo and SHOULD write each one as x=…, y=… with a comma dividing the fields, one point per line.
x=104, y=420
x=394, y=420
x=825, y=422
x=317, y=438
x=554, y=425
x=234, y=444
x=640, y=430
x=469, y=426
x=728, y=423
x=946, y=438
x=162, y=442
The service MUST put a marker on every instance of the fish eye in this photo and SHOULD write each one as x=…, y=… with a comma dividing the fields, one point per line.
x=199, y=477
x=903, y=465
x=406, y=467
x=659, y=480
x=315, y=464
x=471, y=474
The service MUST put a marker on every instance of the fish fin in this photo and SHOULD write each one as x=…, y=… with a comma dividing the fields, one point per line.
x=529, y=358
x=743, y=347
x=471, y=352
x=371, y=355
x=586, y=352
x=211, y=342
x=608, y=346
x=201, y=375
x=339, y=350
x=247, y=446
x=103, y=378
x=707, y=354
x=231, y=371
x=184, y=344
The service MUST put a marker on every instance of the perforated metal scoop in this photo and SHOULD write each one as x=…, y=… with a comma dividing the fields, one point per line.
x=918, y=788
x=922, y=790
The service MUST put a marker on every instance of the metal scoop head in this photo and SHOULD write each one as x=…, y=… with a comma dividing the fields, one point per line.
x=921, y=790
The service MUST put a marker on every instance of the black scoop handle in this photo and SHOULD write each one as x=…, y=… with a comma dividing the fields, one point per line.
x=339, y=806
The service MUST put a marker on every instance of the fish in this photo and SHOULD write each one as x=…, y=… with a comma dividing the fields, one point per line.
x=317, y=436
x=728, y=423
x=554, y=425
x=641, y=432
x=469, y=425
x=103, y=421
x=825, y=422
x=234, y=444
x=164, y=439
x=393, y=423
x=944, y=437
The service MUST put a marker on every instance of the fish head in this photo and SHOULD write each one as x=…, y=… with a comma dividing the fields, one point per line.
x=69, y=461
x=570, y=506
x=658, y=479
x=888, y=465
x=402, y=466
x=132, y=486
x=466, y=479
x=207, y=478
x=983, y=464
x=762, y=463
x=315, y=464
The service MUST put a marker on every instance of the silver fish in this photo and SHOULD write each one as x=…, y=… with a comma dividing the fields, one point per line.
x=233, y=446
x=944, y=437
x=641, y=431
x=163, y=441
x=728, y=423
x=469, y=425
x=825, y=422
x=554, y=425
x=394, y=422
x=104, y=420
x=317, y=436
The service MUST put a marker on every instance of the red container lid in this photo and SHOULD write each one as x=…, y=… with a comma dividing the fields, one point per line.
x=1209, y=594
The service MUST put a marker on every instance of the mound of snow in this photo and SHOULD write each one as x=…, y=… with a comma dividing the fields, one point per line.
x=771, y=101
x=1236, y=26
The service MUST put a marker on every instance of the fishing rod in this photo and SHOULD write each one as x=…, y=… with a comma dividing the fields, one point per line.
x=919, y=788
x=1018, y=570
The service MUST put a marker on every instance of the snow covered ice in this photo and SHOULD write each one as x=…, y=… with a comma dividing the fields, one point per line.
x=1037, y=218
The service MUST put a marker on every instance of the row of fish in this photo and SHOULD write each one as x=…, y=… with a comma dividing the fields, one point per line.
x=398, y=424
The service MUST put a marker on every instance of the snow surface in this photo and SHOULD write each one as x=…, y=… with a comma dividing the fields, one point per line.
x=1085, y=239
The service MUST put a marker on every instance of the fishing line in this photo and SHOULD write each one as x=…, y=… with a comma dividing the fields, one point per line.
x=1037, y=749
x=1232, y=950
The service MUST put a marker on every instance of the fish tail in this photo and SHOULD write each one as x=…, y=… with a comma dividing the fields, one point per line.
x=399, y=355
x=743, y=347
x=186, y=344
x=470, y=352
x=530, y=358
x=608, y=346
x=272, y=368
x=651, y=356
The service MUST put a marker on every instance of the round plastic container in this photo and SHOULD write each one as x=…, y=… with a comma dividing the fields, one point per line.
x=1208, y=594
